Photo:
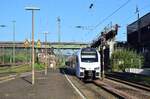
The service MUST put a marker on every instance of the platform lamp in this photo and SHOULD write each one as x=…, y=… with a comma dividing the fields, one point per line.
x=32, y=9
x=14, y=41
x=2, y=26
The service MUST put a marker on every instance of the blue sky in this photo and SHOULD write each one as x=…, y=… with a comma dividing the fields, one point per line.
x=72, y=13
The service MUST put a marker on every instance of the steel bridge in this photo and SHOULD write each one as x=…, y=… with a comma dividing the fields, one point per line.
x=54, y=45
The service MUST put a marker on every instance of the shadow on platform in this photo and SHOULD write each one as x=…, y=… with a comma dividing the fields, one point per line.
x=67, y=71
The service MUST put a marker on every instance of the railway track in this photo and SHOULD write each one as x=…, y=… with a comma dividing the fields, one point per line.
x=137, y=85
x=89, y=89
x=112, y=89
x=122, y=90
x=11, y=64
x=130, y=77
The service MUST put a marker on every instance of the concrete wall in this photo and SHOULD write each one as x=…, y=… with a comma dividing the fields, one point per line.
x=138, y=71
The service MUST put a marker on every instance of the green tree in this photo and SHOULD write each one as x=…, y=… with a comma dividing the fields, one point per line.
x=126, y=58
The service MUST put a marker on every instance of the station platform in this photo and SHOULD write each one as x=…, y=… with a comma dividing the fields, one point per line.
x=52, y=86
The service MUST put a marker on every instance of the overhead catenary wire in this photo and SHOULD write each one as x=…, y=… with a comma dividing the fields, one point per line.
x=125, y=24
x=136, y=11
x=115, y=11
x=133, y=15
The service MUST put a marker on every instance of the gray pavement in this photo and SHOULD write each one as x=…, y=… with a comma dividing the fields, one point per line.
x=52, y=86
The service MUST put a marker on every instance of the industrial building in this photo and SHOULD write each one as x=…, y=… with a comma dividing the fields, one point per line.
x=138, y=37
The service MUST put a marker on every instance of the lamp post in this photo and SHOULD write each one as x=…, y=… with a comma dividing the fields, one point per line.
x=2, y=26
x=46, y=54
x=59, y=39
x=13, y=41
x=32, y=9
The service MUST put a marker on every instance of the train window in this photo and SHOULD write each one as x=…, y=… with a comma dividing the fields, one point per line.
x=89, y=55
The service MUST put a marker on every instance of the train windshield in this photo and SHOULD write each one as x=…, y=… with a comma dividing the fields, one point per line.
x=89, y=55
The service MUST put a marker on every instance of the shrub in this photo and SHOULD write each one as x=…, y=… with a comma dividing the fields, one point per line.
x=126, y=58
x=39, y=66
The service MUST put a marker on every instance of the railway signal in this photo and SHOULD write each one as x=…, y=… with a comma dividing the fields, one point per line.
x=39, y=44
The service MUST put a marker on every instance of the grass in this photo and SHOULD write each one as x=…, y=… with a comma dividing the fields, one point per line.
x=39, y=66
x=15, y=69
x=20, y=69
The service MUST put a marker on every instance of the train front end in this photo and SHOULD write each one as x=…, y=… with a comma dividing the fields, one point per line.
x=89, y=67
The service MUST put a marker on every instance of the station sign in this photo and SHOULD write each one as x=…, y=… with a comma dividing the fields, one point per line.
x=26, y=43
